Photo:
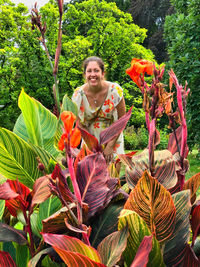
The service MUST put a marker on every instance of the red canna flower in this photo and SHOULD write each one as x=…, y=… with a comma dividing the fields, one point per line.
x=139, y=66
x=70, y=134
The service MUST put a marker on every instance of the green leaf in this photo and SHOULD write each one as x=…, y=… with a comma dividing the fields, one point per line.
x=46, y=209
x=111, y=248
x=69, y=105
x=33, y=262
x=105, y=223
x=22, y=255
x=17, y=159
x=138, y=229
x=36, y=123
x=2, y=207
x=174, y=248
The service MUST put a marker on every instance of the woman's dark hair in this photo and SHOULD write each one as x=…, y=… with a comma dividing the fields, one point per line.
x=96, y=59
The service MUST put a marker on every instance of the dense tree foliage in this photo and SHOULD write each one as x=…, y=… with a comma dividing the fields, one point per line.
x=150, y=14
x=182, y=36
x=89, y=28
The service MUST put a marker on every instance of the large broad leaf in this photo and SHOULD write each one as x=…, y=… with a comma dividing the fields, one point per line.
x=142, y=256
x=155, y=205
x=17, y=159
x=69, y=105
x=90, y=140
x=8, y=233
x=72, y=250
x=165, y=167
x=36, y=124
x=174, y=249
x=195, y=221
x=95, y=185
x=6, y=192
x=190, y=259
x=111, y=248
x=47, y=208
x=138, y=229
x=115, y=129
x=22, y=255
x=105, y=223
x=6, y=260
x=193, y=184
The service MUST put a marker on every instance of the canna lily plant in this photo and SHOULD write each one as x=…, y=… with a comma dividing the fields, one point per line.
x=61, y=206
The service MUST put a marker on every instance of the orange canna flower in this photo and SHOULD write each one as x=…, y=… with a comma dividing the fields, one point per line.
x=68, y=119
x=73, y=135
x=139, y=66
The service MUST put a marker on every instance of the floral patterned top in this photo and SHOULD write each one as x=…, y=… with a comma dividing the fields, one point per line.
x=106, y=116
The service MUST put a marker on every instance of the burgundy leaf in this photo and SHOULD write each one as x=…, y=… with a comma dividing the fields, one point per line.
x=90, y=140
x=172, y=144
x=6, y=192
x=115, y=129
x=41, y=190
x=6, y=260
x=195, y=221
x=9, y=234
x=142, y=256
x=62, y=184
x=95, y=185
x=190, y=259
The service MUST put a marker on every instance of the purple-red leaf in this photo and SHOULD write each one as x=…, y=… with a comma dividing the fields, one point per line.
x=90, y=140
x=173, y=145
x=6, y=260
x=190, y=259
x=115, y=129
x=195, y=221
x=9, y=234
x=142, y=256
x=6, y=192
x=95, y=185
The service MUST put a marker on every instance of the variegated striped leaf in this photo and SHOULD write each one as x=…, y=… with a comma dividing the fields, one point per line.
x=165, y=168
x=193, y=184
x=138, y=229
x=17, y=159
x=111, y=248
x=2, y=207
x=174, y=249
x=36, y=124
x=69, y=105
x=72, y=250
x=155, y=205
x=6, y=260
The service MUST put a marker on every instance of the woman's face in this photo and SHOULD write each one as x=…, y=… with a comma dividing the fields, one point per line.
x=93, y=74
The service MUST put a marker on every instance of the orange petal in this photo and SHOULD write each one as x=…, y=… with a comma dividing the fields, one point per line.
x=61, y=144
x=75, y=137
x=68, y=119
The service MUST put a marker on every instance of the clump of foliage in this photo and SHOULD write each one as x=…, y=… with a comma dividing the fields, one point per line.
x=63, y=205
x=182, y=38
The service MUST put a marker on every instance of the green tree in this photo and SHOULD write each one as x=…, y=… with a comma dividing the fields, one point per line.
x=182, y=33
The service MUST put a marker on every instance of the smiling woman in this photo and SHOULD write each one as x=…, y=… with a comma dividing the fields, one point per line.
x=100, y=103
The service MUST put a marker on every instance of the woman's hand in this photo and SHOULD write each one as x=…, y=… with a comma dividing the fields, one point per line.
x=108, y=153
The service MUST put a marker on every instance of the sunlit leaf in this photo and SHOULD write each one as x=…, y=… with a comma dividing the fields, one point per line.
x=165, y=167
x=6, y=192
x=138, y=229
x=63, y=243
x=111, y=248
x=193, y=184
x=6, y=260
x=2, y=207
x=115, y=129
x=95, y=185
x=36, y=124
x=17, y=159
x=105, y=223
x=69, y=105
x=8, y=233
x=174, y=248
x=90, y=140
x=155, y=205
x=142, y=256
